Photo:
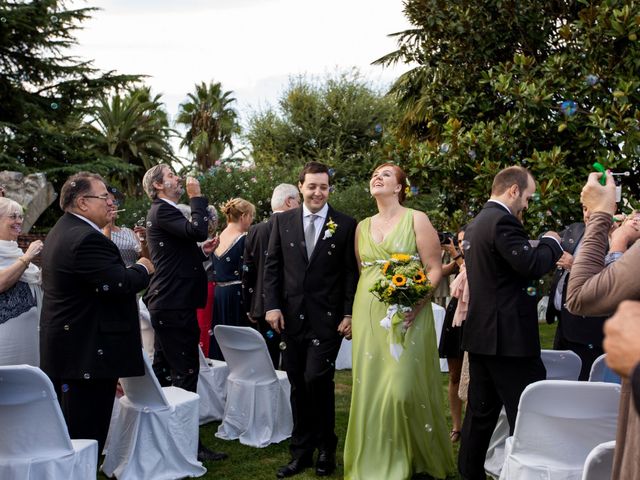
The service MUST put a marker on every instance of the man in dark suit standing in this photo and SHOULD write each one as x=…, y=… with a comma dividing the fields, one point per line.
x=284, y=197
x=580, y=334
x=309, y=283
x=501, y=329
x=179, y=285
x=89, y=330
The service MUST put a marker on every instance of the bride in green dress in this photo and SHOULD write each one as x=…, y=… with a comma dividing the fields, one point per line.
x=397, y=426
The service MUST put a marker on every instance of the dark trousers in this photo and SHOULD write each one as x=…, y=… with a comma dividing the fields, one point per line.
x=176, y=361
x=494, y=381
x=587, y=353
x=310, y=366
x=272, y=339
x=86, y=406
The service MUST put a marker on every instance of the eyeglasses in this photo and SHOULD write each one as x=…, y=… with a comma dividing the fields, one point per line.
x=104, y=196
x=15, y=216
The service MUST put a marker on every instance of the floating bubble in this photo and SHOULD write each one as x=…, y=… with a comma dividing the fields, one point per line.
x=332, y=172
x=531, y=291
x=54, y=106
x=210, y=332
x=236, y=273
x=54, y=19
x=466, y=245
x=428, y=428
x=228, y=259
x=291, y=244
x=86, y=376
x=535, y=197
x=472, y=154
x=301, y=316
x=591, y=79
x=315, y=342
x=269, y=334
x=65, y=388
x=569, y=107
x=148, y=224
x=378, y=128
x=514, y=252
x=161, y=244
x=100, y=351
x=282, y=346
x=444, y=148
x=105, y=288
x=66, y=327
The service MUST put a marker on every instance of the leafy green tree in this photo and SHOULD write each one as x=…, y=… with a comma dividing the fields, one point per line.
x=44, y=91
x=550, y=85
x=340, y=120
x=211, y=121
x=133, y=128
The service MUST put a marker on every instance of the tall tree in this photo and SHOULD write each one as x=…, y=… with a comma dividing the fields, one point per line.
x=551, y=85
x=211, y=123
x=44, y=91
x=340, y=120
x=133, y=128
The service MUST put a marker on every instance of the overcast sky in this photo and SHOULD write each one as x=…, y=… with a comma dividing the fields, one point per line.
x=251, y=46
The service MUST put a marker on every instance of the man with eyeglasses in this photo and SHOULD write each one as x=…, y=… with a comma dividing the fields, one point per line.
x=89, y=330
x=285, y=197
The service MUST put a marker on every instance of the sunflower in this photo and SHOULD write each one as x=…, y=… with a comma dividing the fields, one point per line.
x=419, y=277
x=399, y=280
x=385, y=267
x=401, y=257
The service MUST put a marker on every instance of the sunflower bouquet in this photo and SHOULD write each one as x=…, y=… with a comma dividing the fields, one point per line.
x=403, y=284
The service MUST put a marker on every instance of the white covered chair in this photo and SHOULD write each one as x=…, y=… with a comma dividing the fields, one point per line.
x=559, y=423
x=343, y=361
x=560, y=365
x=599, y=462
x=155, y=433
x=257, y=411
x=34, y=443
x=600, y=372
x=212, y=388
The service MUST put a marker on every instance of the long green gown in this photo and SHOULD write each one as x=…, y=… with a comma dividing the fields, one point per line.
x=397, y=424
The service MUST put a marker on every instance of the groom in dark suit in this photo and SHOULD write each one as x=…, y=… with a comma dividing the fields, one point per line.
x=309, y=283
x=501, y=329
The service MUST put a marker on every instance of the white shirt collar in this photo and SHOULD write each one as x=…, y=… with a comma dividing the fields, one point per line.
x=322, y=213
x=173, y=204
x=87, y=220
x=499, y=203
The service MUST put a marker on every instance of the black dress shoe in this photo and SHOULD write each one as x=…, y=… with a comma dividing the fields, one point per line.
x=294, y=467
x=326, y=463
x=205, y=454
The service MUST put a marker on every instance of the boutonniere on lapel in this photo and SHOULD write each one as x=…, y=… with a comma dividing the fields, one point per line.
x=331, y=229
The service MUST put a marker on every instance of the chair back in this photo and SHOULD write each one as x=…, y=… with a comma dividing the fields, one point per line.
x=246, y=353
x=561, y=364
x=599, y=462
x=562, y=421
x=600, y=372
x=30, y=417
x=144, y=391
x=204, y=366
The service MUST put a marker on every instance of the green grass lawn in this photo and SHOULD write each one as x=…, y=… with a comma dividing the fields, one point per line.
x=261, y=463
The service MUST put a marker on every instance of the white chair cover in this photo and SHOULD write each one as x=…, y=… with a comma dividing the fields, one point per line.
x=599, y=462
x=155, y=434
x=560, y=365
x=147, y=332
x=343, y=362
x=212, y=388
x=34, y=440
x=600, y=372
x=559, y=422
x=257, y=411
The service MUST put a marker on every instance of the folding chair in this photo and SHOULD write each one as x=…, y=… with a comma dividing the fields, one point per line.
x=599, y=462
x=257, y=411
x=35, y=443
x=559, y=423
x=155, y=434
x=600, y=372
x=212, y=388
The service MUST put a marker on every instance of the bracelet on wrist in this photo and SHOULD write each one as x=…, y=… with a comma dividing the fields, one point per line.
x=24, y=262
x=456, y=257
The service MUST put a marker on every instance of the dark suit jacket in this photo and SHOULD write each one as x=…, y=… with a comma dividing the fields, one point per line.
x=573, y=328
x=89, y=323
x=180, y=282
x=635, y=386
x=313, y=294
x=255, y=255
x=502, y=317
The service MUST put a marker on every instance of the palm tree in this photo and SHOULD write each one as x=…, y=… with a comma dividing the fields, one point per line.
x=211, y=123
x=134, y=129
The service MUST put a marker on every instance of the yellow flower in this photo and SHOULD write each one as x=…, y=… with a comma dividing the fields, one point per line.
x=399, y=280
x=401, y=257
x=419, y=277
x=385, y=267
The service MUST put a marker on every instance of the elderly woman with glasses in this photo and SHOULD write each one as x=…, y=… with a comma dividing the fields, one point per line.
x=20, y=291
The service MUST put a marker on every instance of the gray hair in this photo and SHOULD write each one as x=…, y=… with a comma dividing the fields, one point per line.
x=184, y=210
x=153, y=175
x=281, y=193
x=8, y=206
x=76, y=186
